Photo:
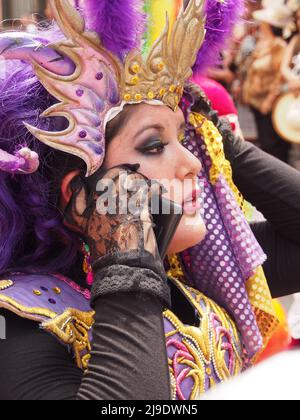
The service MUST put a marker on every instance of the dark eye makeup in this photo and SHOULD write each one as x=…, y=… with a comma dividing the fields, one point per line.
x=155, y=146
x=152, y=146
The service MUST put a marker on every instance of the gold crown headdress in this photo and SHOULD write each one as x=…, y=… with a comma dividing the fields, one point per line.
x=100, y=81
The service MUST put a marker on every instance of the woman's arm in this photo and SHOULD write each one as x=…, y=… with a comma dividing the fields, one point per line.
x=130, y=291
x=128, y=361
x=274, y=188
x=282, y=267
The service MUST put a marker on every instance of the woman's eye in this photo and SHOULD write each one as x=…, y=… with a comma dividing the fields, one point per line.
x=153, y=148
x=156, y=150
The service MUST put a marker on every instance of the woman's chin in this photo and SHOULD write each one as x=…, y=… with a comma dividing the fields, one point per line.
x=190, y=232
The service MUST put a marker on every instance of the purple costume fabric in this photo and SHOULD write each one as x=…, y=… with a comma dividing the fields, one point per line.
x=24, y=290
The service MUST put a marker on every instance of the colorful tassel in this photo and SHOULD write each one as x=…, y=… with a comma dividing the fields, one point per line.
x=87, y=264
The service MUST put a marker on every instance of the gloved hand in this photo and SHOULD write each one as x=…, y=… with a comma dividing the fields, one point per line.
x=124, y=250
x=112, y=210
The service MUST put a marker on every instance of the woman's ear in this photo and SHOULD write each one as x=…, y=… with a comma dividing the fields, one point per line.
x=66, y=190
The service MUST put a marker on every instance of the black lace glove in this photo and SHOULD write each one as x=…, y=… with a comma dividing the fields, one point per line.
x=112, y=210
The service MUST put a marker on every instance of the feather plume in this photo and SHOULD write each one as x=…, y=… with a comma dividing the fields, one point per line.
x=222, y=16
x=120, y=24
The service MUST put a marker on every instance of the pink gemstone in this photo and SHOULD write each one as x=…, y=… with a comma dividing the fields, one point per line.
x=90, y=279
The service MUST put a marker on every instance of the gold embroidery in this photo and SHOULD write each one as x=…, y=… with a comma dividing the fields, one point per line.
x=176, y=269
x=21, y=310
x=210, y=307
x=205, y=347
x=202, y=343
x=72, y=328
x=85, y=361
x=5, y=284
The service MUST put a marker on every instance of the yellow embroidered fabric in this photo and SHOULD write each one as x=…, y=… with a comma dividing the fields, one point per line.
x=32, y=313
x=72, y=328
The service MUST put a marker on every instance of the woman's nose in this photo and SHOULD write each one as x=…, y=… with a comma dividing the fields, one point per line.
x=189, y=165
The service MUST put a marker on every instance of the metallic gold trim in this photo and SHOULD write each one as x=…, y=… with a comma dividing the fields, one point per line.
x=24, y=309
x=72, y=328
x=169, y=63
x=5, y=284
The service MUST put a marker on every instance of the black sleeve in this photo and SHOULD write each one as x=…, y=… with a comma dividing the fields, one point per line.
x=282, y=267
x=129, y=360
x=273, y=188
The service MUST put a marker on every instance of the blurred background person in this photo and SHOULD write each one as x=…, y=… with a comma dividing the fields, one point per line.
x=22, y=14
x=291, y=59
x=291, y=73
x=286, y=113
x=264, y=81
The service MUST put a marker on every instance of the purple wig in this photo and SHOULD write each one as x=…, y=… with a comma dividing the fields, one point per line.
x=32, y=233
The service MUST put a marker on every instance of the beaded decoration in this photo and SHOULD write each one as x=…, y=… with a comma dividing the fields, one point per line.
x=87, y=264
x=201, y=357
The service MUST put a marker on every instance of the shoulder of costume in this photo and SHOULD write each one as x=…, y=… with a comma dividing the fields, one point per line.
x=42, y=297
x=58, y=304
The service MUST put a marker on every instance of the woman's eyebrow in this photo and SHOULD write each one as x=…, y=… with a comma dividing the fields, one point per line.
x=158, y=127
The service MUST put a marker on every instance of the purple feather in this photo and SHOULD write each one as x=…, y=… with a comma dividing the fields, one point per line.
x=222, y=16
x=120, y=24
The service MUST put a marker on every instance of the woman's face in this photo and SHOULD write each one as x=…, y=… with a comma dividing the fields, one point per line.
x=152, y=136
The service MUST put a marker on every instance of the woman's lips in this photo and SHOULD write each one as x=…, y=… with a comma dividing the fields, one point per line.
x=192, y=204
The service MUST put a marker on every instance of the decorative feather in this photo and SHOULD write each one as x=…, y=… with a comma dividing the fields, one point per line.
x=222, y=16
x=120, y=24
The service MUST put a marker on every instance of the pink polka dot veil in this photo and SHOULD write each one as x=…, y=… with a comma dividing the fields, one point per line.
x=224, y=263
